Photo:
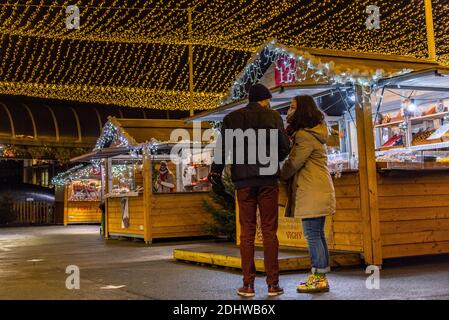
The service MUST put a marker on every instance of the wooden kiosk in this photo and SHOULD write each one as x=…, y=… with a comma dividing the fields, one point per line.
x=383, y=211
x=81, y=189
x=130, y=152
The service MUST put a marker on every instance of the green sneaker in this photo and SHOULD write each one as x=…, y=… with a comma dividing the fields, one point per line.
x=314, y=283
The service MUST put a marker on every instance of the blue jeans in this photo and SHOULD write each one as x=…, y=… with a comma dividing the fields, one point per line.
x=318, y=251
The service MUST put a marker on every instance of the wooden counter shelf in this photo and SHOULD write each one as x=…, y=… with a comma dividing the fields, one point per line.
x=413, y=119
x=169, y=215
x=80, y=211
x=383, y=166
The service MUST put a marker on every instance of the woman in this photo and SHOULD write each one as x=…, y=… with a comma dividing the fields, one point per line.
x=165, y=181
x=311, y=191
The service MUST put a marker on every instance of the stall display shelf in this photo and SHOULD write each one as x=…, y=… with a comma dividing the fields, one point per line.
x=412, y=166
x=414, y=120
x=424, y=147
x=390, y=148
x=419, y=147
x=389, y=124
x=429, y=117
x=122, y=195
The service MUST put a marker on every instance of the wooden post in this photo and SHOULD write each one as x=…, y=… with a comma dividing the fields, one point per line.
x=147, y=193
x=107, y=189
x=430, y=31
x=368, y=179
x=66, y=205
x=191, y=87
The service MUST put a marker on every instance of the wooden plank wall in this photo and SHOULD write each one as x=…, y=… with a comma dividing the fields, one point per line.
x=414, y=213
x=343, y=230
x=347, y=221
x=179, y=215
x=135, y=206
x=83, y=212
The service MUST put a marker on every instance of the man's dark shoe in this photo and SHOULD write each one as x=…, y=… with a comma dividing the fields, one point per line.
x=275, y=290
x=246, y=291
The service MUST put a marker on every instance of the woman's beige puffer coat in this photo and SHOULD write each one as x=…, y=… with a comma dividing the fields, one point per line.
x=311, y=191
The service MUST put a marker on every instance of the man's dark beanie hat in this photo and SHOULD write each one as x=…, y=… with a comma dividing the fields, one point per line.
x=258, y=92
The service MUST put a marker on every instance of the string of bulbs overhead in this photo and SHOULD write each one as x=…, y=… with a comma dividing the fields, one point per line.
x=134, y=53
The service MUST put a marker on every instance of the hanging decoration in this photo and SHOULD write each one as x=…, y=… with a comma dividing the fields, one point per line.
x=61, y=154
x=299, y=66
x=77, y=172
x=113, y=134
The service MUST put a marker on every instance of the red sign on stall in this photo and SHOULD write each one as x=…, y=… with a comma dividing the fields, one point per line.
x=285, y=70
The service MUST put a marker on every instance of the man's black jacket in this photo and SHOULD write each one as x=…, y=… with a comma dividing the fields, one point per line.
x=258, y=118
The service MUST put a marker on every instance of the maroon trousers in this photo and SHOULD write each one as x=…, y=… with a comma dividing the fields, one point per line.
x=266, y=198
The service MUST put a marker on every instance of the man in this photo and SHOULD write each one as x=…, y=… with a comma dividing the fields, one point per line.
x=256, y=187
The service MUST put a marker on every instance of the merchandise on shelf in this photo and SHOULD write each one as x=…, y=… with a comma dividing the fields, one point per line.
x=396, y=156
x=396, y=140
x=440, y=132
x=126, y=177
x=386, y=118
x=429, y=111
x=398, y=117
x=413, y=160
x=85, y=190
x=421, y=137
x=194, y=177
x=338, y=162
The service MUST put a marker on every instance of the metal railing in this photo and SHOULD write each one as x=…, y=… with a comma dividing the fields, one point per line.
x=33, y=212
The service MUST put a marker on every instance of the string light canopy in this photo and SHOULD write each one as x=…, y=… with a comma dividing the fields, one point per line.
x=135, y=53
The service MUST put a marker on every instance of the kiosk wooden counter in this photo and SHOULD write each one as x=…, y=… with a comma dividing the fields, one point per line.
x=80, y=211
x=385, y=208
x=131, y=152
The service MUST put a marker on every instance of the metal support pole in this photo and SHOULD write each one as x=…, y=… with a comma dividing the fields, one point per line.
x=191, y=87
x=430, y=31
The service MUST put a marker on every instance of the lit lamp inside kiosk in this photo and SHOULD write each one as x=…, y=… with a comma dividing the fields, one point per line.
x=409, y=107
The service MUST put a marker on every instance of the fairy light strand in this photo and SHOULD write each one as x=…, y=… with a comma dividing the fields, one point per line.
x=134, y=53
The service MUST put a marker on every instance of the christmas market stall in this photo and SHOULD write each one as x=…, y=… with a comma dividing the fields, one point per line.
x=155, y=177
x=80, y=187
x=388, y=151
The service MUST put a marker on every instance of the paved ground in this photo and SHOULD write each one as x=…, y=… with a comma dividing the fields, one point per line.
x=33, y=261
